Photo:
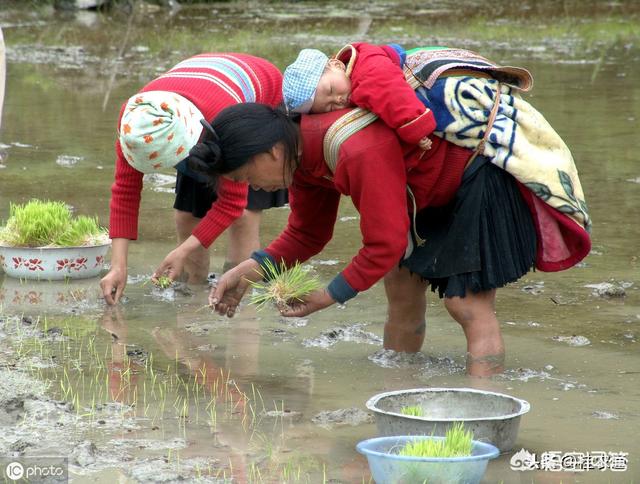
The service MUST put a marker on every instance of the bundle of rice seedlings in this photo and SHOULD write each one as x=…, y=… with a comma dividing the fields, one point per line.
x=457, y=443
x=40, y=223
x=412, y=410
x=283, y=285
x=163, y=282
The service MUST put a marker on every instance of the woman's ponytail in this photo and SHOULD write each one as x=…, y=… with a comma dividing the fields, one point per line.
x=206, y=157
x=237, y=134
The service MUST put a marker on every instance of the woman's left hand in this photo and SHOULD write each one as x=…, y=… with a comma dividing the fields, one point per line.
x=174, y=262
x=171, y=266
x=315, y=301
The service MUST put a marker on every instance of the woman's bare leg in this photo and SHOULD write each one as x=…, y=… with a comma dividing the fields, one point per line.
x=196, y=266
x=244, y=238
x=485, y=347
x=405, y=326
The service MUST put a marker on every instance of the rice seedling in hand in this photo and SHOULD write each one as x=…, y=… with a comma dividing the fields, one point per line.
x=457, y=443
x=163, y=282
x=283, y=286
x=412, y=410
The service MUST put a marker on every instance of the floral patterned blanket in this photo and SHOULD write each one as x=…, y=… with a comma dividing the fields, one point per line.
x=460, y=87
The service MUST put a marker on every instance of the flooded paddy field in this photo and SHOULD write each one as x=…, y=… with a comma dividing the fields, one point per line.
x=159, y=389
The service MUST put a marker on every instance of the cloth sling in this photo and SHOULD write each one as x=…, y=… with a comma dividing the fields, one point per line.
x=425, y=65
x=520, y=140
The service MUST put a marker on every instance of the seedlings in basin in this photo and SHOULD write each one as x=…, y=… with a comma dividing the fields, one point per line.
x=412, y=410
x=283, y=285
x=40, y=223
x=457, y=443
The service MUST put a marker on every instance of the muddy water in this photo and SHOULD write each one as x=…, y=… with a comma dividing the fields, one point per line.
x=572, y=350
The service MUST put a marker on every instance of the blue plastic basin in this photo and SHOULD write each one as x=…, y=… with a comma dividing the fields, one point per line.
x=389, y=468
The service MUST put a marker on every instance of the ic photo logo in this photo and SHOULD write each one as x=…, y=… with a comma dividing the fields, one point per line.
x=35, y=469
x=14, y=471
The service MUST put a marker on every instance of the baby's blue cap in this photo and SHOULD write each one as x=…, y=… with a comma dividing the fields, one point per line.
x=301, y=80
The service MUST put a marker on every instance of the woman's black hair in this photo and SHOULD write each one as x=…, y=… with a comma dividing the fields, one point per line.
x=240, y=132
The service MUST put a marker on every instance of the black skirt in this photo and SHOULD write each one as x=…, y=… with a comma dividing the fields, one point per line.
x=196, y=197
x=484, y=239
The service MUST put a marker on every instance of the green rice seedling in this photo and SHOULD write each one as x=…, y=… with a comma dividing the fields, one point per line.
x=412, y=410
x=283, y=285
x=40, y=223
x=163, y=282
x=82, y=231
x=457, y=443
x=35, y=223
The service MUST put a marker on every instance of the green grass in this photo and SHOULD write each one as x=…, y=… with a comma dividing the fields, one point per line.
x=457, y=443
x=40, y=223
x=283, y=285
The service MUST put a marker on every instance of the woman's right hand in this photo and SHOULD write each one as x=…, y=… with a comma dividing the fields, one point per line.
x=229, y=290
x=114, y=282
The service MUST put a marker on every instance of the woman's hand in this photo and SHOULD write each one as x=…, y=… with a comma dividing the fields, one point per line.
x=228, y=292
x=115, y=281
x=315, y=301
x=173, y=264
x=113, y=284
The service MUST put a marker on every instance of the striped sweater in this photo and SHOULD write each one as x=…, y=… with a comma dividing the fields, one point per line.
x=212, y=82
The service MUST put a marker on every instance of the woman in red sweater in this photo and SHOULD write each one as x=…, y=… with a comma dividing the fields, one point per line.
x=205, y=84
x=479, y=231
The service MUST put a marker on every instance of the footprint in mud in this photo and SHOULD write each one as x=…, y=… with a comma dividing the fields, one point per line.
x=344, y=416
x=282, y=334
x=429, y=365
x=291, y=415
x=200, y=328
x=535, y=288
x=353, y=333
x=524, y=374
x=574, y=340
x=603, y=415
x=609, y=290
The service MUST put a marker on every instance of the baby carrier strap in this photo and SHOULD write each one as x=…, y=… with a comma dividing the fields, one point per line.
x=341, y=130
x=425, y=65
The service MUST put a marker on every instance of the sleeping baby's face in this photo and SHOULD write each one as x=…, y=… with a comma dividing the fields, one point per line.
x=334, y=89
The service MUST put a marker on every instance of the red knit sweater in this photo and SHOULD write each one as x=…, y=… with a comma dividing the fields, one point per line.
x=378, y=84
x=374, y=169
x=211, y=82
